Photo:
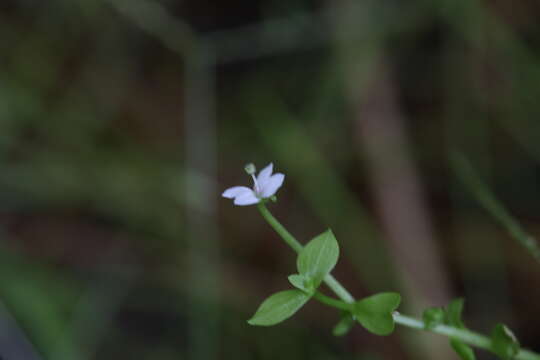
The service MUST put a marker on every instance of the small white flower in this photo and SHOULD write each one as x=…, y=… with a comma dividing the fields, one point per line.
x=265, y=186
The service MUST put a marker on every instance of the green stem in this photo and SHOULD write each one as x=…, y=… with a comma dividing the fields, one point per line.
x=338, y=304
x=467, y=336
x=280, y=229
x=329, y=280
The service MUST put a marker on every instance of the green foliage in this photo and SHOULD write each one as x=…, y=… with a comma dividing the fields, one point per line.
x=302, y=283
x=344, y=325
x=314, y=262
x=453, y=314
x=432, y=317
x=318, y=257
x=375, y=312
x=279, y=307
x=464, y=351
x=504, y=342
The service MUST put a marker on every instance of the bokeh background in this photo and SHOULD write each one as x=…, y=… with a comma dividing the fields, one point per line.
x=122, y=121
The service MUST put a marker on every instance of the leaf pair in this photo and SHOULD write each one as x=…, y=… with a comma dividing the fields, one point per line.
x=503, y=342
x=435, y=316
x=314, y=263
x=450, y=316
x=375, y=312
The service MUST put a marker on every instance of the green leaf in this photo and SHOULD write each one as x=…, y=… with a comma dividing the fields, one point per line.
x=453, y=313
x=279, y=307
x=318, y=257
x=432, y=317
x=504, y=342
x=464, y=351
x=302, y=283
x=344, y=325
x=375, y=312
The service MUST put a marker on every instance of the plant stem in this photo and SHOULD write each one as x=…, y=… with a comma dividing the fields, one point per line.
x=329, y=280
x=338, y=304
x=280, y=229
x=467, y=336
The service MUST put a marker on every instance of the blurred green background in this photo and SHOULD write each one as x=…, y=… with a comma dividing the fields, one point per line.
x=122, y=121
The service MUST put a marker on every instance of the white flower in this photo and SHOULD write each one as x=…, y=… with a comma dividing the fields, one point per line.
x=265, y=186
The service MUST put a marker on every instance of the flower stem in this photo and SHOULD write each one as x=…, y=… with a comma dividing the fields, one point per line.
x=329, y=280
x=280, y=229
x=467, y=336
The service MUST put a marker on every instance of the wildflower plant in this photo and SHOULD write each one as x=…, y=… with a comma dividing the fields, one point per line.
x=377, y=313
x=265, y=185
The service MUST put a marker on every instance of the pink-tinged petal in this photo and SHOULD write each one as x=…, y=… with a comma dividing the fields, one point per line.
x=236, y=191
x=273, y=184
x=264, y=175
x=246, y=199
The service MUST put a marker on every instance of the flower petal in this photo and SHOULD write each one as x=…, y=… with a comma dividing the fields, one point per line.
x=246, y=199
x=264, y=175
x=273, y=184
x=236, y=191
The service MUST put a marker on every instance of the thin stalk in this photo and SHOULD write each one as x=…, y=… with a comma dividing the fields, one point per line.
x=338, y=304
x=280, y=229
x=329, y=280
x=466, y=336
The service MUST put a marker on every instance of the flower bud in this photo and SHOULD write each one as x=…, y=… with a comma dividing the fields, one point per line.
x=250, y=169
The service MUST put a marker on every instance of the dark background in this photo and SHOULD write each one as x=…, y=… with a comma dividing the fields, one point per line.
x=122, y=121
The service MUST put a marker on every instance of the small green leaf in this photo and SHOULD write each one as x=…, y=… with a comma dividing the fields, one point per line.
x=344, y=325
x=453, y=313
x=432, y=317
x=504, y=342
x=302, y=283
x=318, y=257
x=279, y=307
x=375, y=312
x=464, y=351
